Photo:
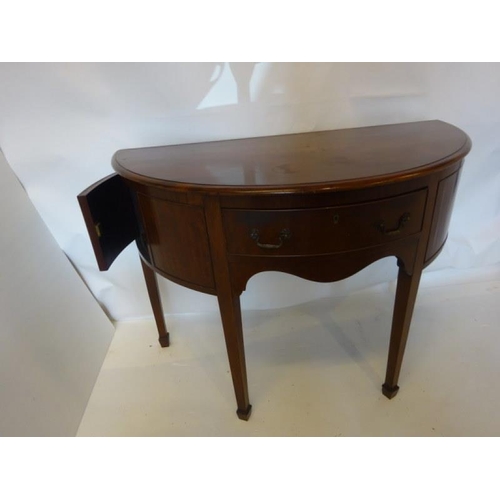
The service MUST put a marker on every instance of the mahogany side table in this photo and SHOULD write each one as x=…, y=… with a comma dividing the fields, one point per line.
x=319, y=205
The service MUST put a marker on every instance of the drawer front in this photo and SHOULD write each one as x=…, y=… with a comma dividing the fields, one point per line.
x=323, y=230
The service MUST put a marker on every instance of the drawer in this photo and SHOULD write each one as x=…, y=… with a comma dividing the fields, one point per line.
x=323, y=230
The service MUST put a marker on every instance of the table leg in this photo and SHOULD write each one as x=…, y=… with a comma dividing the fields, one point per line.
x=155, y=298
x=406, y=293
x=229, y=305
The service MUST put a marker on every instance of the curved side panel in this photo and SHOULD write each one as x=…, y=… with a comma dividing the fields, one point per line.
x=442, y=214
x=324, y=268
x=177, y=238
x=433, y=257
x=193, y=286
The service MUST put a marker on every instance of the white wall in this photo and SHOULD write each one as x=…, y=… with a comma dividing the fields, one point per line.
x=61, y=123
x=53, y=334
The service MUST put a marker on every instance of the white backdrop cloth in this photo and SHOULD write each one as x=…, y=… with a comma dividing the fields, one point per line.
x=61, y=123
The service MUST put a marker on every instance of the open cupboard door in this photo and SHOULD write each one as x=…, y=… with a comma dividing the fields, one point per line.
x=109, y=214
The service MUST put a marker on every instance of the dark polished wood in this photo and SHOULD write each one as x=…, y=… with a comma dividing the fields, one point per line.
x=155, y=299
x=329, y=159
x=320, y=205
x=350, y=227
x=406, y=293
x=229, y=305
x=446, y=191
x=177, y=239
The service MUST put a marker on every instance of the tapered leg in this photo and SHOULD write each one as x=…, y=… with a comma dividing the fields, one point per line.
x=230, y=311
x=406, y=293
x=154, y=297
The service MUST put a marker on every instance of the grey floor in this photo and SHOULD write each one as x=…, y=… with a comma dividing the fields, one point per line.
x=313, y=370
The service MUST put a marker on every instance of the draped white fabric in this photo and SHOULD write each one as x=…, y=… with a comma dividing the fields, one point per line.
x=53, y=334
x=61, y=123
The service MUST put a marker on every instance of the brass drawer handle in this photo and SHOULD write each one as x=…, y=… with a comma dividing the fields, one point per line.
x=284, y=235
x=402, y=221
